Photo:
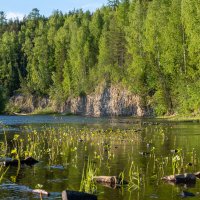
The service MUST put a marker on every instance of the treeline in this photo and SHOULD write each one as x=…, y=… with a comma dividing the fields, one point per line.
x=152, y=47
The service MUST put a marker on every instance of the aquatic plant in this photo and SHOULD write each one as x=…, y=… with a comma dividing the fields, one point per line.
x=56, y=142
x=134, y=177
x=87, y=182
x=178, y=162
x=4, y=143
x=39, y=187
x=18, y=144
x=122, y=178
x=3, y=171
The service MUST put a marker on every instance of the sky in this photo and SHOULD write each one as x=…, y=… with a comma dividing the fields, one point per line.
x=19, y=8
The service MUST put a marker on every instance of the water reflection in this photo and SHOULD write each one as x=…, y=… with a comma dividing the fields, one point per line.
x=144, y=145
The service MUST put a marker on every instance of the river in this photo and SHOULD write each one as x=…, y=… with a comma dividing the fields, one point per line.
x=142, y=147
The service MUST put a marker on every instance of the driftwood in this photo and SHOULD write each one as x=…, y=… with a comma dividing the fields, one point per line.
x=41, y=192
x=112, y=180
x=109, y=185
x=197, y=174
x=28, y=161
x=74, y=195
x=182, y=178
x=20, y=114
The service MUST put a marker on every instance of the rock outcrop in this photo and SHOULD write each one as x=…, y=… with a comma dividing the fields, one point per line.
x=105, y=101
x=28, y=104
x=110, y=101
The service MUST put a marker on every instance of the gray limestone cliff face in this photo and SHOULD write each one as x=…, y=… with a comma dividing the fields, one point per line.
x=112, y=101
x=28, y=104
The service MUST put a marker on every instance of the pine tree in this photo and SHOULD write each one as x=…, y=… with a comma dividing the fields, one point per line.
x=113, y=3
x=9, y=62
x=157, y=18
x=138, y=68
x=39, y=71
x=3, y=22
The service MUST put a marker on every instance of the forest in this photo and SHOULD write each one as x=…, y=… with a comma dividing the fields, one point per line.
x=150, y=46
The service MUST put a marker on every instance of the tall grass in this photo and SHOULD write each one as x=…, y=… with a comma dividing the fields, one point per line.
x=87, y=182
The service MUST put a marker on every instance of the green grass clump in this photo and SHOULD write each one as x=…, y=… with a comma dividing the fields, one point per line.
x=87, y=183
x=43, y=111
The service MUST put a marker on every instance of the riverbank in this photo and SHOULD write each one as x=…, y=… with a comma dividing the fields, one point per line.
x=184, y=118
x=111, y=101
x=178, y=118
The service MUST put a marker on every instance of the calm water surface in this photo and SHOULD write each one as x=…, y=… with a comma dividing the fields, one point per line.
x=66, y=172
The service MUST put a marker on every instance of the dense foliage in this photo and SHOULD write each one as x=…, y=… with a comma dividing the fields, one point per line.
x=152, y=47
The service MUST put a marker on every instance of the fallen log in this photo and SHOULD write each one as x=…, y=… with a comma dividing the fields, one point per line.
x=20, y=114
x=28, y=161
x=109, y=185
x=23, y=189
x=113, y=180
x=197, y=174
x=74, y=195
x=181, y=178
x=41, y=192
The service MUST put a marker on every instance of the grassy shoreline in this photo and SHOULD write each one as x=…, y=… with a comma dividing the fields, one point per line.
x=180, y=118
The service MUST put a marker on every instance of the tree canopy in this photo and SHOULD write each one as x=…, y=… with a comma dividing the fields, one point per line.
x=152, y=47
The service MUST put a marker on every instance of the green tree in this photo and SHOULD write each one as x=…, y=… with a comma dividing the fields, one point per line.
x=40, y=69
x=138, y=63
x=112, y=45
x=79, y=53
x=3, y=19
x=152, y=46
x=156, y=21
x=34, y=14
x=3, y=98
x=9, y=62
x=191, y=19
x=61, y=74
x=113, y=3
x=3, y=22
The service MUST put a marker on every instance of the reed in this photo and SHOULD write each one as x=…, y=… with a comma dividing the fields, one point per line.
x=3, y=171
x=87, y=183
x=134, y=177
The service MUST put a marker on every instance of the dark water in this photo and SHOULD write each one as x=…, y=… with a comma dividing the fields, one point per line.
x=66, y=172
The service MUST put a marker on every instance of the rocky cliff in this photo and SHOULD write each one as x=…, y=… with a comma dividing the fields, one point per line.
x=27, y=103
x=112, y=101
